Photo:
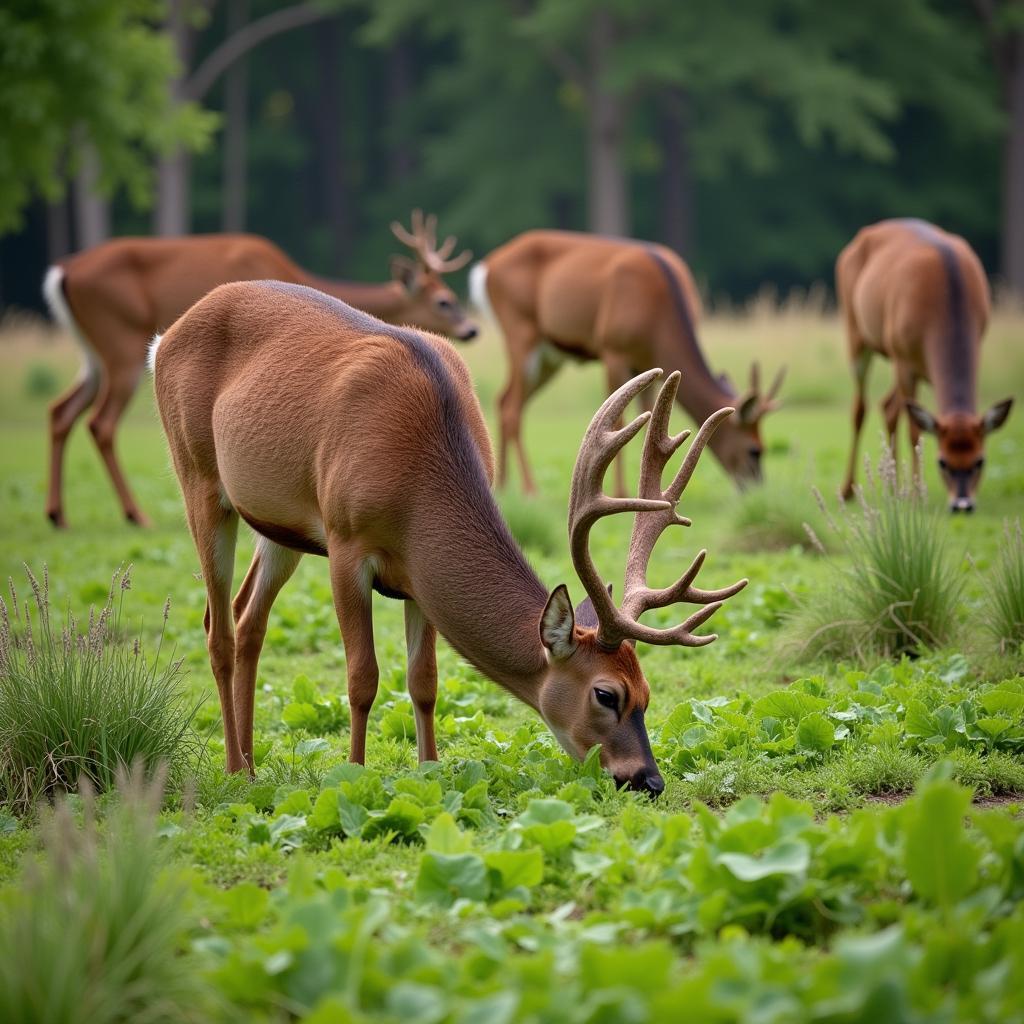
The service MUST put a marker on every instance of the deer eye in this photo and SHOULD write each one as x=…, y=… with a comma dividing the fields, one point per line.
x=445, y=304
x=607, y=698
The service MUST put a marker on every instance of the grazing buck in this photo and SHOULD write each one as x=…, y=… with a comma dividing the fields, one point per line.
x=632, y=305
x=333, y=433
x=918, y=295
x=114, y=297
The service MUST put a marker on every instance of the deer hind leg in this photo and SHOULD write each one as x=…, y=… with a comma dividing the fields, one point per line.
x=215, y=529
x=352, y=583
x=892, y=405
x=272, y=566
x=523, y=348
x=907, y=382
x=64, y=414
x=119, y=386
x=421, y=677
x=861, y=364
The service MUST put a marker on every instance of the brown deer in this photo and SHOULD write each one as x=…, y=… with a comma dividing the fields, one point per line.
x=333, y=433
x=632, y=305
x=918, y=295
x=114, y=297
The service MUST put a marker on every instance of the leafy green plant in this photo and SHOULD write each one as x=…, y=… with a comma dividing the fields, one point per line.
x=897, y=589
x=96, y=928
x=1003, y=605
x=81, y=704
x=41, y=381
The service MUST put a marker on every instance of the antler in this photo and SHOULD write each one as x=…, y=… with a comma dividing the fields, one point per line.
x=655, y=509
x=423, y=242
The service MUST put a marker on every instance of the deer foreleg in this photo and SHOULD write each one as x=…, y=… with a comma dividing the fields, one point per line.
x=861, y=363
x=421, y=678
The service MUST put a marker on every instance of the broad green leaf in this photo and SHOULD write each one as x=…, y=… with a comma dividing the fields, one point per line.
x=543, y=812
x=296, y=802
x=516, y=867
x=445, y=877
x=790, y=857
x=444, y=836
x=303, y=690
x=300, y=715
x=940, y=859
x=815, y=732
x=312, y=747
x=324, y=815
x=787, y=705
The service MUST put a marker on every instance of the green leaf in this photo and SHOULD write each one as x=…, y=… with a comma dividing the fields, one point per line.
x=516, y=867
x=444, y=836
x=940, y=859
x=312, y=748
x=787, y=705
x=790, y=857
x=303, y=690
x=300, y=716
x=815, y=732
x=445, y=877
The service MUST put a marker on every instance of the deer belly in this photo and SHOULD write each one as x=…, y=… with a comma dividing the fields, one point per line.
x=272, y=501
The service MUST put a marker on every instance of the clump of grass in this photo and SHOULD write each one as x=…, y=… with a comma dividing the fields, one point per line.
x=1003, y=606
x=41, y=381
x=96, y=928
x=79, y=705
x=531, y=522
x=772, y=518
x=897, y=590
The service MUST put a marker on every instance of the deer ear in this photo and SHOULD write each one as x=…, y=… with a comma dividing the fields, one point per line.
x=749, y=409
x=996, y=416
x=403, y=271
x=557, y=624
x=923, y=418
x=586, y=616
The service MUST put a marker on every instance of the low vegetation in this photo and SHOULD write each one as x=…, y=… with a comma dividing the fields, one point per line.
x=80, y=702
x=815, y=855
x=96, y=929
x=897, y=590
x=1003, y=615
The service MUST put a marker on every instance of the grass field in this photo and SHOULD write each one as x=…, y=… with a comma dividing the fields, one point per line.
x=542, y=894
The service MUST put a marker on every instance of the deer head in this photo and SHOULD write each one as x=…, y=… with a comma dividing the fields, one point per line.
x=739, y=446
x=594, y=690
x=436, y=305
x=961, y=447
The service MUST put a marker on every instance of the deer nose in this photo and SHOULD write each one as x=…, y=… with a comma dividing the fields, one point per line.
x=961, y=505
x=647, y=780
x=469, y=333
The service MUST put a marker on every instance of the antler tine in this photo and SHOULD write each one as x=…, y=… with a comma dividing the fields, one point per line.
x=776, y=385
x=659, y=446
x=588, y=502
x=755, y=377
x=445, y=249
x=450, y=266
x=403, y=236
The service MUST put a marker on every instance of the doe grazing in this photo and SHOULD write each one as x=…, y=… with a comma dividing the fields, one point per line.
x=115, y=296
x=562, y=294
x=918, y=295
x=333, y=433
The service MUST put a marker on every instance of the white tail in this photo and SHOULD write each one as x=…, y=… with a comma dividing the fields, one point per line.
x=478, y=289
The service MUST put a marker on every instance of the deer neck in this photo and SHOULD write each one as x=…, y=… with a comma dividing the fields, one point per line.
x=950, y=358
x=700, y=392
x=388, y=301
x=475, y=587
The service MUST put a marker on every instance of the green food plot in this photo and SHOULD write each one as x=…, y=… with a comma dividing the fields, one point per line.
x=816, y=855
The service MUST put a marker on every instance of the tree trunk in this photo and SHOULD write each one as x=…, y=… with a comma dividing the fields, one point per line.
x=401, y=83
x=172, y=214
x=236, y=128
x=1013, y=170
x=92, y=211
x=330, y=143
x=677, y=184
x=608, y=190
x=58, y=229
